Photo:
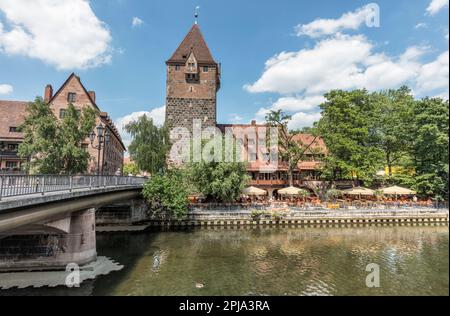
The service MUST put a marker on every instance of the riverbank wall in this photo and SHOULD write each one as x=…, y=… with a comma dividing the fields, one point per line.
x=224, y=218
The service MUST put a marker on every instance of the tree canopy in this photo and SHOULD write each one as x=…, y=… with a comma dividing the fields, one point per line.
x=368, y=132
x=55, y=146
x=149, y=146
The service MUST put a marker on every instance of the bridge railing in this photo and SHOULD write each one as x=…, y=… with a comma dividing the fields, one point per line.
x=19, y=185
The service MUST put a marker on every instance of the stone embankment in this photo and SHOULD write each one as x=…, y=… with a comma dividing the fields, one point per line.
x=298, y=217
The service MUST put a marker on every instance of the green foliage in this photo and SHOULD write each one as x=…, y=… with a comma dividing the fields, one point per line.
x=55, y=146
x=219, y=181
x=131, y=168
x=366, y=132
x=429, y=147
x=347, y=129
x=390, y=124
x=149, y=146
x=166, y=196
x=333, y=194
x=304, y=194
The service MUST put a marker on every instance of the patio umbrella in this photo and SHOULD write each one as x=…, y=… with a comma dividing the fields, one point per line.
x=395, y=190
x=252, y=191
x=359, y=191
x=292, y=191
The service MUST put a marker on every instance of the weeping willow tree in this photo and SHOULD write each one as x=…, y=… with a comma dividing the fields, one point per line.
x=149, y=146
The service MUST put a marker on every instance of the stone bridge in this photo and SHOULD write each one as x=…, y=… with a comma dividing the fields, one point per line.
x=47, y=222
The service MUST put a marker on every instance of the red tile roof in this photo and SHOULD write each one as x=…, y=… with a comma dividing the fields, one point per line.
x=307, y=139
x=193, y=42
x=12, y=114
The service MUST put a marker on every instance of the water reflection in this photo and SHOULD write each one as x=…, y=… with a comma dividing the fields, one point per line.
x=301, y=261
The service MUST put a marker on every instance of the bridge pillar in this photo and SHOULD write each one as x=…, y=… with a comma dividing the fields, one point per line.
x=51, y=246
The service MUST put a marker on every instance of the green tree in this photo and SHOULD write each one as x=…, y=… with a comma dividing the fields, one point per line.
x=149, y=146
x=73, y=129
x=392, y=116
x=131, y=168
x=348, y=131
x=291, y=149
x=52, y=146
x=165, y=196
x=218, y=180
x=429, y=147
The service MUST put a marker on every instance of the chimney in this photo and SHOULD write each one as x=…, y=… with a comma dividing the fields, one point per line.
x=254, y=123
x=92, y=95
x=48, y=94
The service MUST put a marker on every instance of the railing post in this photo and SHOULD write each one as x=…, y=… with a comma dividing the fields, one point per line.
x=1, y=187
x=70, y=183
x=90, y=182
x=43, y=186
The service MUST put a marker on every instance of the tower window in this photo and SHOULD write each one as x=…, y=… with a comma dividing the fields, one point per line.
x=205, y=69
x=177, y=67
x=72, y=97
x=13, y=129
x=192, y=77
x=62, y=113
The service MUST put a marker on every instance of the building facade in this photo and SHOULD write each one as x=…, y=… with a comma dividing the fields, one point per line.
x=12, y=115
x=193, y=80
x=108, y=159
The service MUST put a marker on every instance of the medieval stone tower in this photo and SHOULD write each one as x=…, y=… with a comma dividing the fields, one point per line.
x=193, y=80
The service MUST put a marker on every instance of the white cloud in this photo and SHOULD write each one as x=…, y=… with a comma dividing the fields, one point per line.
x=340, y=62
x=348, y=21
x=421, y=25
x=295, y=104
x=436, y=6
x=158, y=116
x=300, y=120
x=434, y=75
x=235, y=118
x=65, y=34
x=136, y=22
x=6, y=89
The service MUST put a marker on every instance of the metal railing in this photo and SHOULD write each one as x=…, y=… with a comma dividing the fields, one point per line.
x=327, y=207
x=19, y=185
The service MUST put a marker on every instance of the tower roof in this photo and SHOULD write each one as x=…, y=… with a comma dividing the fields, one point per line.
x=193, y=42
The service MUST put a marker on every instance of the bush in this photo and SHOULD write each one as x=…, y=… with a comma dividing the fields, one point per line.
x=166, y=196
x=219, y=181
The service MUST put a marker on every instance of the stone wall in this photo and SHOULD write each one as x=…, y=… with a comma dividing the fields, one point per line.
x=181, y=112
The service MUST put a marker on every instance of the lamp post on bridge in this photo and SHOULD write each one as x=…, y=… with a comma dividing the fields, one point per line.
x=103, y=137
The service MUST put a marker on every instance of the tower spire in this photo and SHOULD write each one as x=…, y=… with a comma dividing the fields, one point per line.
x=197, y=8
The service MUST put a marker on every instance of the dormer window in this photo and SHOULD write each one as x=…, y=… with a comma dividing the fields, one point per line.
x=72, y=97
x=191, y=65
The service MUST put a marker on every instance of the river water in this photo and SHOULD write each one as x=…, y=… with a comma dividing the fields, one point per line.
x=275, y=261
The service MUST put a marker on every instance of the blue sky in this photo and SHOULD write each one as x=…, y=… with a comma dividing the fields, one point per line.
x=280, y=54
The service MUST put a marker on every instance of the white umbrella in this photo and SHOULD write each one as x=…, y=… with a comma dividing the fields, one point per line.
x=396, y=190
x=360, y=191
x=292, y=191
x=252, y=191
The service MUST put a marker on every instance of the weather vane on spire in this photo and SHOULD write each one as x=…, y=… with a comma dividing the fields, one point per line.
x=197, y=8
